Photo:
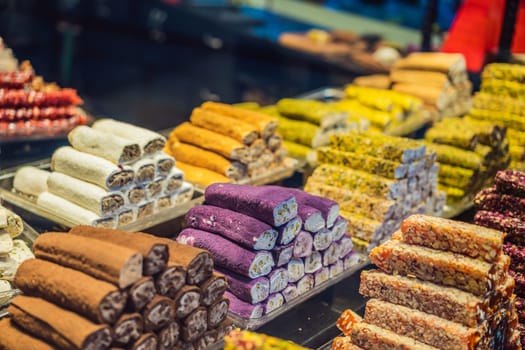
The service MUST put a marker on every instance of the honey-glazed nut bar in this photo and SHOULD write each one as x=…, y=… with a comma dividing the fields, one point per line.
x=446, y=302
x=513, y=228
x=344, y=343
x=451, y=269
x=491, y=200
x=347, y=319
x=453, y=236
x=371, y=337
x=426, y=328
x=510, y=182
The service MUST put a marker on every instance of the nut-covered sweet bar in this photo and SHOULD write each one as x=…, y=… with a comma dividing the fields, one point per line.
x=453, y=236
x=371, y=337
x=510, y=182
x=490, y=199
x=312, y=111
x=513, y=228
x=466, y=139
x=517, y=257
x=14, y=338
x=344, y=343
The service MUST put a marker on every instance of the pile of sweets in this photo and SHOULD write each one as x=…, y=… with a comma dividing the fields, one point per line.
x=502, y=100
x=441, y=284
x=30, y=106
x=272, y=243
x=386, y=110
x=114, y=173
x=378, y=181
x=469, y=152
x=8, y=62
x=13, y=251
x=224, y=143
x=502, y=207
x=246, y=340
x=97, y=288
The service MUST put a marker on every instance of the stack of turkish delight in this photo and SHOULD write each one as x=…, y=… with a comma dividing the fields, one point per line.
x=441, y=284
x=502, y=207
x=469, y=152
x=378, y=181
x=96, y=288
x=502, y=100
x=272, y=243
x=112, y=174
x=224, y=143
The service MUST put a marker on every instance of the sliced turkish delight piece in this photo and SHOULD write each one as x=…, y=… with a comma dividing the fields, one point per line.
x=305, y=284
x=351, y=260
x=194, y=326
x=363, y=228
x=169, y=336
x=217, y=312
x=337, y=268
x=144, y=170
x=174, y=181
x=159, y=312
x=252, y=291
x=184, y=194
x=331, y=254
x=274, y=302
x=339, y=229
x=345, y=246
x=303, y=245
x=127, y=329
x=244, y=309
x=290, y=293
x=321, y=276
x=142, y=292
x=328, y=207
x=289, y=231
x=322, y=239
x=313, y=263
x=295, y=270
x=282, y=255
x=312, y=218
x=278, y=280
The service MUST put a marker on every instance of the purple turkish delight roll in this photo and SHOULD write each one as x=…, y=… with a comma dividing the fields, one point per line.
x=295, y=270
x=351, y=260
x=278, y=280
x=242, y=229
x=244, y=309
x=510, y=182
x=252, y=291
x=491, y=200
x=321, y=276
x=282, y=255
x=288, y=231
x=313, y=263
x=228, y=254
x=322, y=239
x=303, y=245
x=336, y=268
x=312, y=218
x=274, y=302
x=339, y=229
x=331, y=254
x=273, y=205
x=345, y=246
x=514, y=228
x=517, y=257
x=305, y=284
x=290, y=293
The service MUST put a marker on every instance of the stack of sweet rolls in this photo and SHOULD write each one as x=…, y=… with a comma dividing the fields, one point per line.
x=96, y=288
x=441, y=284
x=272, y=243
x=502, y=207
x=470, y=152
x=112, y=174
x=378, y=181
x=502, y=100
x=224, y=143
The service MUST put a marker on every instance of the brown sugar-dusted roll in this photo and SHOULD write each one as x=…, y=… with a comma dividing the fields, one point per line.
x=154, y=252
x=195, y=325
x=186, y=300
x=171, y=280
x=13, y=338
x=168, y=336
x=128, y=328
x=147, y=341
x=197, y=262
x=201, y=176
x=217, y=312
x=63, y=328
x=110, y=262
x=213, y=288
x=99, y=301
x=158, y=313
x=142, y=292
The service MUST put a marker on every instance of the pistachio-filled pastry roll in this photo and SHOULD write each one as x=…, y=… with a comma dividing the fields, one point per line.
x=164, y=163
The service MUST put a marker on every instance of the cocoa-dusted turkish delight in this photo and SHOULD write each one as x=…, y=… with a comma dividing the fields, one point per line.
x=186, y=300
x=169, y=336
x=171, y=280
x=158, y=313
x=217, y=312
x=289, y=231
x=252, y=291
x=271, y=205
x=305, y=284
x=283, y=254
x=127, y=329
x=278, y=280
x=213, y=288
x=147, y=341
x=245, y=230
x=142, y=292
x=303, y=245
x=228, y=254
x=274, y=302
x=244, y=309
x=510, y=182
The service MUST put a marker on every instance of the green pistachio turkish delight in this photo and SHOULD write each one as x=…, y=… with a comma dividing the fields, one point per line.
x=456, y=156
x=312, y=111
x=455, y=176
x=466, y=139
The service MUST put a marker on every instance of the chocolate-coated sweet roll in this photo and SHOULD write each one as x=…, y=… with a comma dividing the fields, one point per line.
x=195, y=324
x=159, y=312
x=168, y=336
x=217, y=312
x=14, y=338
x=142, y=292
x=186, y=300
x=171, y=280
x=127, y=329
x=147, y=341
x=213, y=288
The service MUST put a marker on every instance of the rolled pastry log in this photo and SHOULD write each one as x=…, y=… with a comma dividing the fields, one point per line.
x=154, y=188
x=252, y=291
x=228, y=254
x=149, y=141
x=171, y=280
x=147, y=341
x=278, y=280
x=104, y=144
x=271, y=205
x=200, y=176
x=322, y=276
x=289, y=231
x=274, y=302
x=224, y=328
x=331, y=254
x=209, y=338
x=239, y=130
x=186, y=300
x=322, y=239
x=212, y=141
x=145, y=209
x=145, y=170
x=99, y=301
x=336, y=268
x=184, y=193
x=141, y=293
x=72, y=212
x=164, y=202
x=295, y=270
x=290, y=293
x=244, y=309
x=63, y=328
x=283, y=254
x=344, y=247
x=266, y=125
x=84, y=194
x=125, y=217
x=30, y=180
x=339, y=229
x=305, y=284
x=169, y=336
x=158, y=313
x=6, y=243
x=155, y=253
x=217, y=312
x=174, y=181
x=110, y=262
x=10, y=223
x=213, y=288
x=313, y=263
x=91, y=168
x=328, y=207
x=128, y=328
x=303, y=245
x=194, y=326
x=245, y=230
x=14, y=338
x=164, y=163
x=136, y=195
x=200, y=157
